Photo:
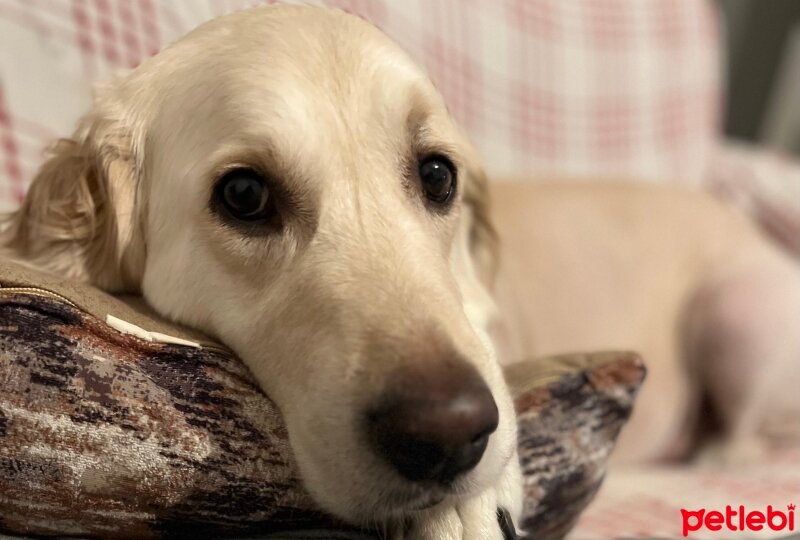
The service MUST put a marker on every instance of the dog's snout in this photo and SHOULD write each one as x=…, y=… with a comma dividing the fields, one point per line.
x=433, y=422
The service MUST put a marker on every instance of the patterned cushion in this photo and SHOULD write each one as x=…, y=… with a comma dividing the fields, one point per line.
x=104, y=434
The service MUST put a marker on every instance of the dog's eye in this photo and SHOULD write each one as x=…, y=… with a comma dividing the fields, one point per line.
x=244, y=194
x=438, y=179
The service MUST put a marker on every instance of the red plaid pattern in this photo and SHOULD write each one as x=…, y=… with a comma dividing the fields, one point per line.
x=591, y=88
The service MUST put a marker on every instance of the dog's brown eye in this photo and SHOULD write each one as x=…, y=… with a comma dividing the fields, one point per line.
x=244, y=194
x=438, y=179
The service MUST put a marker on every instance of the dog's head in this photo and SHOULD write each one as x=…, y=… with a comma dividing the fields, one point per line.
x=287, y=180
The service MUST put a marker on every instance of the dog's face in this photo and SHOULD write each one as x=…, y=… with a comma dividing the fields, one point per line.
x=287, y=180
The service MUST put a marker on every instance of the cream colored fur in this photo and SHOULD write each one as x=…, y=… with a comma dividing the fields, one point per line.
x=362, y=277
x=709, y=302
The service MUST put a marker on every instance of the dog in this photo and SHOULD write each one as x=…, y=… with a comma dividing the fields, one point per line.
x=287, y=180
x=690, y=283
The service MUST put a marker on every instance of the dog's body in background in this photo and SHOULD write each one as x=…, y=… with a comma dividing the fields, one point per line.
x=362, y=288
x=711, y=305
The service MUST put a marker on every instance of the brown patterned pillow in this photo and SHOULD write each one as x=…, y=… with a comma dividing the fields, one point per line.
x=104, y=434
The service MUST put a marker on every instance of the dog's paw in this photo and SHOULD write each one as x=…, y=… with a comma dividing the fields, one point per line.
x=479, y=517
x=473, y=519
x=487, y=516
x=455, y=524
x=443, y=523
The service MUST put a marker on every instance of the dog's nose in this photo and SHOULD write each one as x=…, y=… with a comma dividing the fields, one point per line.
x=433, y=422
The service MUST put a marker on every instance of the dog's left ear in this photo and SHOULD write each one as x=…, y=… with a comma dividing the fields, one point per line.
x=475, y=250
x=82, y=216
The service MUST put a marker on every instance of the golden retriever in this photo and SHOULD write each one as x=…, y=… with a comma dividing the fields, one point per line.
x=287, y=180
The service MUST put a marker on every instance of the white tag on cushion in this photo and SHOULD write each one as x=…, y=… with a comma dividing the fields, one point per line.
x=128, y=328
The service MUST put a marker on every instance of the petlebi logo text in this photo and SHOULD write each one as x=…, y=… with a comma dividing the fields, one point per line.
x=739, y=519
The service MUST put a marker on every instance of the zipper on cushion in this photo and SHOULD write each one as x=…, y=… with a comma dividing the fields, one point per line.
x=40, y=292
x=46, y=293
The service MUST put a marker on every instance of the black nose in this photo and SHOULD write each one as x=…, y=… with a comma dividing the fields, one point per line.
x=433, y=422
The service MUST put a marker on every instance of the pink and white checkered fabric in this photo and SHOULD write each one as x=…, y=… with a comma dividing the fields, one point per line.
x=647, y=502
x=568, y=87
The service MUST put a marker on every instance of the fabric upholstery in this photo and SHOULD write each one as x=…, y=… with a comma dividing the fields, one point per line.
x=580, y=87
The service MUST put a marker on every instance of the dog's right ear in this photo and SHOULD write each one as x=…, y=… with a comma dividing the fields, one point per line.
x=82, y=217
x=474, y=254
